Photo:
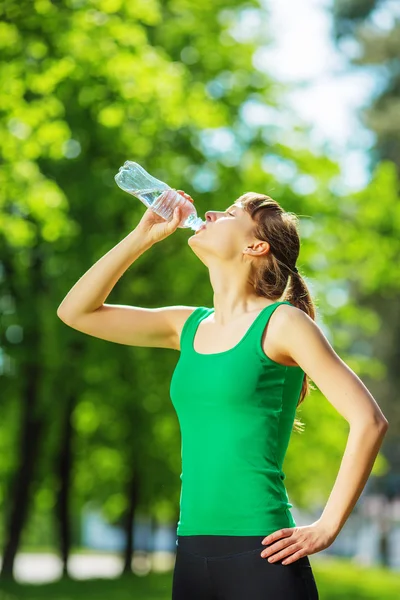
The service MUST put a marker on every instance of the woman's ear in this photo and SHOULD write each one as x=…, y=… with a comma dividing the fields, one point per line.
x=259, y=248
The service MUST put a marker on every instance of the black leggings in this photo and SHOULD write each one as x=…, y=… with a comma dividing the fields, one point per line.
x=224, y=567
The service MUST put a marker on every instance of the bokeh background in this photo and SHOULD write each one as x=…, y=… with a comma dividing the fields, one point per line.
x=299, y=100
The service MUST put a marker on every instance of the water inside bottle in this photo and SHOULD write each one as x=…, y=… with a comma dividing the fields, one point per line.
x=150, y=196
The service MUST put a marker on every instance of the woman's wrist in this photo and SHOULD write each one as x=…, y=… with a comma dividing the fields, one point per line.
x=139, y=240
x=331, y=530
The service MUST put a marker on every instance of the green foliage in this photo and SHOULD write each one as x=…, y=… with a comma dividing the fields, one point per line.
x=370, y=31
x=85, y=86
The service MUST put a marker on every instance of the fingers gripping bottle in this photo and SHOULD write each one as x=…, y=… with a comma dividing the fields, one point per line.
x=156, y=194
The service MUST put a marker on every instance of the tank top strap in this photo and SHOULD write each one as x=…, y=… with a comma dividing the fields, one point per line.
x=190, y=326
x=261, y=321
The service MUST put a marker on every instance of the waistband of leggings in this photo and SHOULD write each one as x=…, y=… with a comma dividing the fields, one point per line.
x=218, y=545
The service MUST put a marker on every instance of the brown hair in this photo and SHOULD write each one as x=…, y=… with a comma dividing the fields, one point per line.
x=273, y=276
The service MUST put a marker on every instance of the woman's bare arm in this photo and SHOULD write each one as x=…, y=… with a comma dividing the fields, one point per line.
x=302, y=340
x=83, y=308
x=90, y=291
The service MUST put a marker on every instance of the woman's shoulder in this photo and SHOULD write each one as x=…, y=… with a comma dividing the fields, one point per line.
x=287, y=315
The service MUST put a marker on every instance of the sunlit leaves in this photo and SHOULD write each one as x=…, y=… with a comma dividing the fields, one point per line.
x=83, y=87
x=9, y=36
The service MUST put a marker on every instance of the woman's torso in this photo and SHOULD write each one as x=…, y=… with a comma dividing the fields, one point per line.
x=236, y=410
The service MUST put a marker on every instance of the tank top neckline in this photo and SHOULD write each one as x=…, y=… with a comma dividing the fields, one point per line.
x=247, y=333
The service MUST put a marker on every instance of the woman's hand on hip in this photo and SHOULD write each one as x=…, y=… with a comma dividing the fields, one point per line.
x=290, y=544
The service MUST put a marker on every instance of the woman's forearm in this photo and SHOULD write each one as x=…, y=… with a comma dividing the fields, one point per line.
x=92, y=289
x=358, y=459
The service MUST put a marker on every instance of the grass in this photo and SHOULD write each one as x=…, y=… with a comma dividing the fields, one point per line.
x=154, y=586
x=337, y=579
x=341, y=579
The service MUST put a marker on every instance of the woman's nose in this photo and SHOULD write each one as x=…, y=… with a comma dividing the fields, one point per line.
x=209, y=215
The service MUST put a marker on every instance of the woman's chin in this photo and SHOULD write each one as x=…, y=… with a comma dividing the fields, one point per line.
x=192, y=237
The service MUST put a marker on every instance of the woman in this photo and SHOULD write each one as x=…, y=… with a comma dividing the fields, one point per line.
x=242, y=372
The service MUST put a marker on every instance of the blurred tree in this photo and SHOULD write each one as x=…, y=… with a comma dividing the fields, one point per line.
x=85, y=85
x=172, y=85
x=370, y=31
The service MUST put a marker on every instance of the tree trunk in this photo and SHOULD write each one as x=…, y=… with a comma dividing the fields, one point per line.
x=63, y=471
x=133, y=495
x=32, y=423
x=29, y=443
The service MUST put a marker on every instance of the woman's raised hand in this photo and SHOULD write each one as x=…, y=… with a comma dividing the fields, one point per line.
x=186, y=196
x=156, y=228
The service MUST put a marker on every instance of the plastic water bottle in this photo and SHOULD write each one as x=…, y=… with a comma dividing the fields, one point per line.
x=156, y=194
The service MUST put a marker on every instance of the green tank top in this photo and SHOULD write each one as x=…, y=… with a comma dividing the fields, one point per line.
x=236, y=411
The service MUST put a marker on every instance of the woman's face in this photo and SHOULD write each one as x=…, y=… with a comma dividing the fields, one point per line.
x=226, y=234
